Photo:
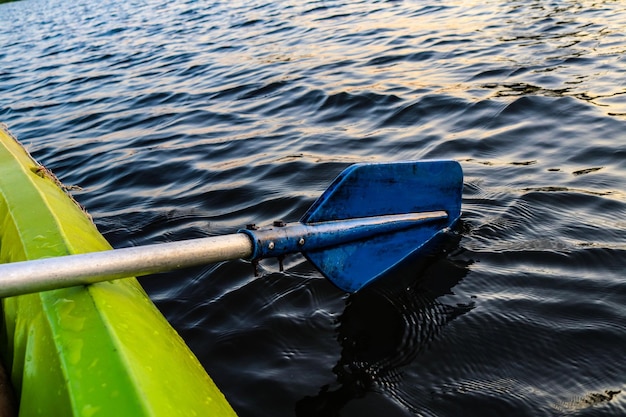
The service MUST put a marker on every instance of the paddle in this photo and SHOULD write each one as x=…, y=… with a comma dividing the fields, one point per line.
x=370, y=219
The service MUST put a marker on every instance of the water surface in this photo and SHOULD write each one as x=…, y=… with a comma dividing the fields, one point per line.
x=182, y=119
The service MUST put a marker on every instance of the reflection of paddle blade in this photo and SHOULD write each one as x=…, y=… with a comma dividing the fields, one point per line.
x=368, y=190
x=382, y=331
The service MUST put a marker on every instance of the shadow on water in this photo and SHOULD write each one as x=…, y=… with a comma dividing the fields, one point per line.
x=385, y=326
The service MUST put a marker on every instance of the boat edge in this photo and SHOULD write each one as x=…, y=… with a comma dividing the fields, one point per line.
x=118, y=305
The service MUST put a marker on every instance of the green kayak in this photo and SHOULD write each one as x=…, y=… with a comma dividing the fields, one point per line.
x=97, y=350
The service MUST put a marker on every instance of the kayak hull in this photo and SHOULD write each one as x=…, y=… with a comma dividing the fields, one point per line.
x=101, y=349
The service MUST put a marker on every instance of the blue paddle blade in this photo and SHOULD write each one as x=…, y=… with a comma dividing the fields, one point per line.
x=369, y=190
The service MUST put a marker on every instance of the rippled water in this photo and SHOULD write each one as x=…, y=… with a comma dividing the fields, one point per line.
x=181, y=119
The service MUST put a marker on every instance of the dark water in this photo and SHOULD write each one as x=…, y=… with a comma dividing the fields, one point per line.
x=181, y=119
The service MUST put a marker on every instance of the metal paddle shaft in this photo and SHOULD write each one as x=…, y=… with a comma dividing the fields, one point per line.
x=66, y=271
x=371, y=218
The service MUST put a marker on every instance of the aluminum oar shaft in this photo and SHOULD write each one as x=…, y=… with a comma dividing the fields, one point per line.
x=66, y=271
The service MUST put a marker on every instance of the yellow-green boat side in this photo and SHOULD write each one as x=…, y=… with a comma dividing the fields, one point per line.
x=96, y=350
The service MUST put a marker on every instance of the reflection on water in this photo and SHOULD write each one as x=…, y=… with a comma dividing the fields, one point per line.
x=384, y=327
